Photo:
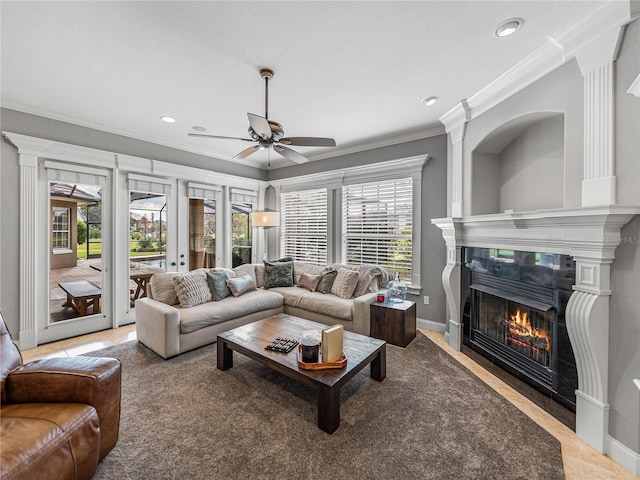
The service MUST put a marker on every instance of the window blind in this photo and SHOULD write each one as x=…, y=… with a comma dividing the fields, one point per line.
x=140, y=184
x=243, y=196
x=303, y=223
x=197, y=190
x=377, y=224
x=74, y=174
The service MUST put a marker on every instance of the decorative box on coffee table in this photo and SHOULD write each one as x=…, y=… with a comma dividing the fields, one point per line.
x=394, y=323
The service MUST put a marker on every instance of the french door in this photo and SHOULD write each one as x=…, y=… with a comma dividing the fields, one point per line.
x=75, y=247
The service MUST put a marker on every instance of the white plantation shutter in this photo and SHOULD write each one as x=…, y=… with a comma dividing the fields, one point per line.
x=377, y=224
x=303, y=223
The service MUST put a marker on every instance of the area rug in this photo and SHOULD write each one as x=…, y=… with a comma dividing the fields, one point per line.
x=429, y=419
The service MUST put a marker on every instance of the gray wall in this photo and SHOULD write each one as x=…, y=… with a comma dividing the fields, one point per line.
x=624, y=339
x=434, y=205
x=532, y=169
x=560, y=91
x=9, y=237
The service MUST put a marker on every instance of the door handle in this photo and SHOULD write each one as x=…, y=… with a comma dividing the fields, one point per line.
x=181, y=263
x=173, y=264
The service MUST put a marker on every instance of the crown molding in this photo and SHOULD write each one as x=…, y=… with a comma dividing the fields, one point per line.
x=387, y=141
x=321, y=155
x=560, y=48
x=117, y=131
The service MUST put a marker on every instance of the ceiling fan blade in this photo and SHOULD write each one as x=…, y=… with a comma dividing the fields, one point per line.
x=246, y=152
x=260, y=125
x=290, y=154
x=218, y=136
x=309, y=141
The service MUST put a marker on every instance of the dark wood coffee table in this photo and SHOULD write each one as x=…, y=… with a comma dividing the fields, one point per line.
x=250, y=340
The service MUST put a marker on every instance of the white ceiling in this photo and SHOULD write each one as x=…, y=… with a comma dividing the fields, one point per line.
x=355, y=71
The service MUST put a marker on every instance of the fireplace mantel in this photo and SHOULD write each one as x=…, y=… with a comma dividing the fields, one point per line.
x=590, y=235
x=592, y=232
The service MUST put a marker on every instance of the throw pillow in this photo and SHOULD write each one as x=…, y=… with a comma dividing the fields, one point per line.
x=308, y=281
x=218, y=285
x=287, y=259
x=162, y=287
x=278, y=274
x=192, y=288
x=246, y=268
x=241, y=284
x=345, y=283
x=327, y=277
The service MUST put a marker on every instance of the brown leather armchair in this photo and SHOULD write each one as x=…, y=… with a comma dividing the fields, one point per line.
x=58, y=416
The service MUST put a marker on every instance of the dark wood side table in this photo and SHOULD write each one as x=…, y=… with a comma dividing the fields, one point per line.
x=394, y=323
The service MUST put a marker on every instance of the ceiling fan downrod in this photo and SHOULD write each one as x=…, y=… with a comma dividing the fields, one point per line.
x=267, y=74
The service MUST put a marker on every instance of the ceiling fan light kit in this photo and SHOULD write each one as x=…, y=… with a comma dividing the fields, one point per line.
x=270, y=134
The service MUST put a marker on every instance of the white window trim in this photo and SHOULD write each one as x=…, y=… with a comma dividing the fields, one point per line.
x=334, y=180
x=61, y=250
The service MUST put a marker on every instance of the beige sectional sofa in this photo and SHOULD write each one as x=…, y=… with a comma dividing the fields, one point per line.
x=165, y=323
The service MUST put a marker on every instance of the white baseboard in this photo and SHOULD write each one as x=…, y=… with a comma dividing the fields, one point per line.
x=430, y=325
x=624, y=456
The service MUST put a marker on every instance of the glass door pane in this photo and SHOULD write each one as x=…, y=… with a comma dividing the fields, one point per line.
x=75, y=258
x=202, y=233
x=240, y=233
x=147, y=240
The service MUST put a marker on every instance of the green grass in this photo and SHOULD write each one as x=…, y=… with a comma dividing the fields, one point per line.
x=95, y=248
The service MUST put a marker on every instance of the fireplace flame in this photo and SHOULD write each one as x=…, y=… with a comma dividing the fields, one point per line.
x=520, y=328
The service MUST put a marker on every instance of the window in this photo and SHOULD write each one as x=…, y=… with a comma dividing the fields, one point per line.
x=303, y=222
x=377, y=224
x=60, y=240
x=240, y=233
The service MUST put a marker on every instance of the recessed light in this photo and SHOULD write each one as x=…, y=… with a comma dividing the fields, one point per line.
x=508, y=27
x=428, y=101
x=167, y=119
x=198, y=128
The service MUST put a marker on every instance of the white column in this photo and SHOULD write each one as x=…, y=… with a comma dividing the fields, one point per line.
x=596, y=64
x=28, y=251
x=587, y=317
x=451, y=281
x=456, y=134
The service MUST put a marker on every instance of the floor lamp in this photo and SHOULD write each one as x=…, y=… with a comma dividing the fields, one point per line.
x=265, y=219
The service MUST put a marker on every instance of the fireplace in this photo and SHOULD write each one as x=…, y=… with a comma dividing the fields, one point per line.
x=514, y=316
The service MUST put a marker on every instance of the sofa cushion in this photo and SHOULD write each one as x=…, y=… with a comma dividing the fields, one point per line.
x=218, y=285
x=211, y=313
x=327, y=277
x=259, y=275
x=241, y=285
x=162, y=287
x=278, y=274
x=345, y=283
x=326, y=304
x=60, y=438
x=192, y=288
x=309, y=281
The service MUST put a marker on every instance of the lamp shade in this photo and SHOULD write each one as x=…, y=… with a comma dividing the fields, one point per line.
x=265, y=219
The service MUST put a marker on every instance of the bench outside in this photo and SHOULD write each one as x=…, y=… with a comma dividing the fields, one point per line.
x=81, y=295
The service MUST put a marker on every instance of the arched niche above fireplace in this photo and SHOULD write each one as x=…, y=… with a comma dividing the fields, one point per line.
x=520, y=166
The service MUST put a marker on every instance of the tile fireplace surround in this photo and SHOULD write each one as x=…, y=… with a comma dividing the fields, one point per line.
x=590, y=236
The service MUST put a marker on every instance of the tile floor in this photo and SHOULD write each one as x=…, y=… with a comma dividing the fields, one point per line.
x=581, y=462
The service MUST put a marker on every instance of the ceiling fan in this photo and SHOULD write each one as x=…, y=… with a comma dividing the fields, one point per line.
x=270, y=134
